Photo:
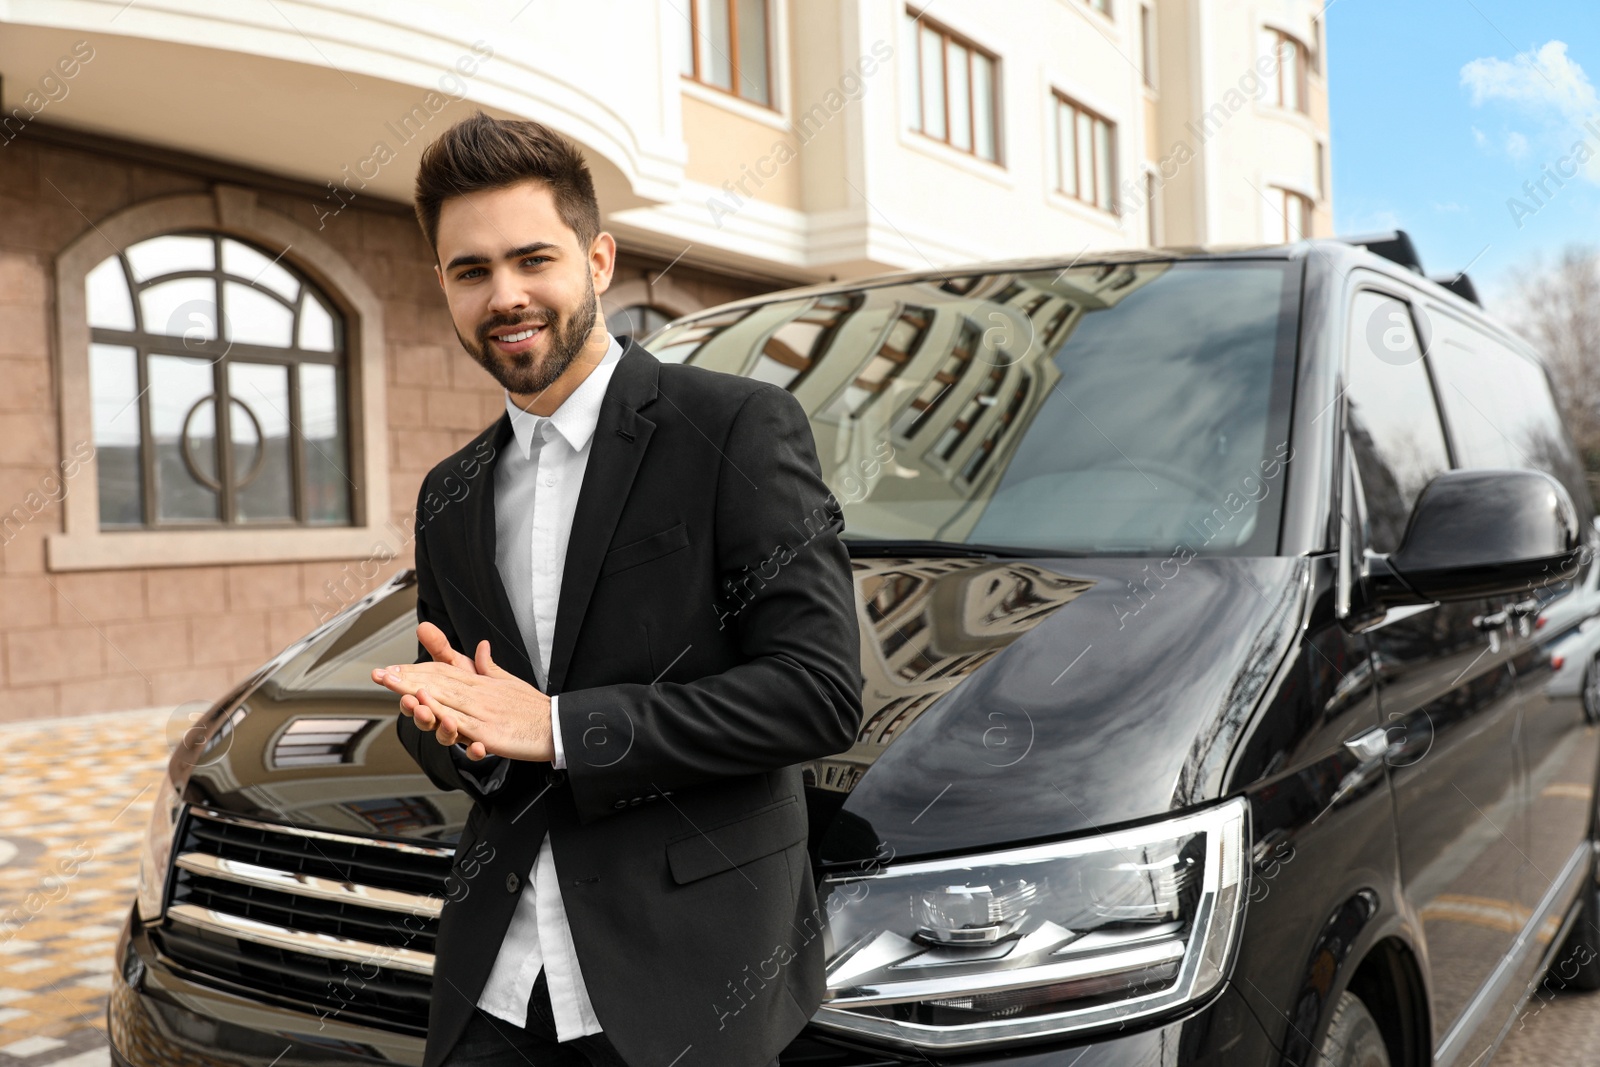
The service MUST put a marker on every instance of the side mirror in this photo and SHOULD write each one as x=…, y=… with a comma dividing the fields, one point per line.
x=1476, y=533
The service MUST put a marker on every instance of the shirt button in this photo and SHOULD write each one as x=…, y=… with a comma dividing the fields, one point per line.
x=512, y=881
x=549, y=480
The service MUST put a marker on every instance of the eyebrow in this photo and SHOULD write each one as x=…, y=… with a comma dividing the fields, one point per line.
x=471, y=260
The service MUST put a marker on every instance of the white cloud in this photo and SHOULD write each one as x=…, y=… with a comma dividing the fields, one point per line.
x=1451, y=207
x=1550, y=89
x=1547, y=78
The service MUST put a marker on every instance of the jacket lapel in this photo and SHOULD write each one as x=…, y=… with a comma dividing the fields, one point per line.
x=488, y=593
x=620, y=437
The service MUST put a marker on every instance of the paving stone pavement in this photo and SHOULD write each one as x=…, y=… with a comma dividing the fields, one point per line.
x=75, y=798
x=1554, y=1030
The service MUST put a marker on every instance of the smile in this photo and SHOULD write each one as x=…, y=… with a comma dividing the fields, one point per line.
x=520, y=335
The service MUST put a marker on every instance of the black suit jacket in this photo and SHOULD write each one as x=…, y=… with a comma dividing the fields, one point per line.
x=706, y=643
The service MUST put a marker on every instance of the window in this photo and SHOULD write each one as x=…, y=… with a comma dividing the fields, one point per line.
x=1286, y=216
x=1040, y=436
x=952, y=98
x=637, y=321
x=217, y=385
x=794, y=348
x=1322, y=171
x=964, y=342
x=1392, y=418
x=1102, y=6
x=900, y=342
x=1147, y=44
x=1499, y=406
x=1085, y=154
x=729, y=47
x=1316, y=47
x=1286, y=86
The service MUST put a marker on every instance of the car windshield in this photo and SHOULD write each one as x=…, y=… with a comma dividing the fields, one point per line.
x=1126, y=408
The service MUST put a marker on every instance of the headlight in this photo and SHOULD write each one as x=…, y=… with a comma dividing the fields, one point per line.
x=1041, y=940
x=157, y=851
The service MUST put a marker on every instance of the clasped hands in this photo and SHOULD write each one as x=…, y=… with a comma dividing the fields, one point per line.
x=474, y=700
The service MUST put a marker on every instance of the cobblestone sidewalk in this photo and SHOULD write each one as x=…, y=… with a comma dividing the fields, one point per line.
x=75, y=798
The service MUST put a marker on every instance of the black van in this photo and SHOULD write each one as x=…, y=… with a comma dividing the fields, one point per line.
x=1207, y=604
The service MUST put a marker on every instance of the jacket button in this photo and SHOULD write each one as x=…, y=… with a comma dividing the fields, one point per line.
x=512, y=881
x=555, y=777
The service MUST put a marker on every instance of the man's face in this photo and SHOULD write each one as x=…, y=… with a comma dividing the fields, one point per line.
x=522, y=293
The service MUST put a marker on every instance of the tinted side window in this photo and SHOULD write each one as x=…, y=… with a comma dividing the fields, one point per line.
x=1499, y=407
x=1394, y=427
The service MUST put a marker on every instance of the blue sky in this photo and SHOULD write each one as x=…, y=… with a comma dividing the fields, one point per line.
x=1443, y=109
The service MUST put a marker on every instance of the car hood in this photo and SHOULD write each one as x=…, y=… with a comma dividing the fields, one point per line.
x=1050, y=696
x=1005, y=701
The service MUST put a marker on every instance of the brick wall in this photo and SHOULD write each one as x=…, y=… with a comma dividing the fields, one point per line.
x=87, y=641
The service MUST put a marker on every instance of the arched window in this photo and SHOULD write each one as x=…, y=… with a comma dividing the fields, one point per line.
x=637, y=321
x=178, y=322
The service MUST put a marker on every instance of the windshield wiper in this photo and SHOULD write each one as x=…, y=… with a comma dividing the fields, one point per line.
x=866, y=547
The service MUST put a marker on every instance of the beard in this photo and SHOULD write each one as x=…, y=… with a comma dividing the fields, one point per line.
x=527, y=372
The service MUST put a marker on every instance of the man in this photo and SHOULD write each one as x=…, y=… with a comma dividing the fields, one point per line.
x=635, y=618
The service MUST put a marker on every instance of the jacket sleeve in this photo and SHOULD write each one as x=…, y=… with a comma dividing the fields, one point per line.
x=797, y=694
x=447, y=766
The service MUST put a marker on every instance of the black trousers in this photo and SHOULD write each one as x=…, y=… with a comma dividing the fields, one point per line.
x=489, y=1041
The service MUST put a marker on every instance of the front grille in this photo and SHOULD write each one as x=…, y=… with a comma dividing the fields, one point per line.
x=339, y=925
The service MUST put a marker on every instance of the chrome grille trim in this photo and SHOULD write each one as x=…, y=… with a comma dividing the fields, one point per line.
x=327, y=945
x=322, y=835
x=307, y=885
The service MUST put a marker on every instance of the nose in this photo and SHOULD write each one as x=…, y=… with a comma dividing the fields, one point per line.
x=506, y=296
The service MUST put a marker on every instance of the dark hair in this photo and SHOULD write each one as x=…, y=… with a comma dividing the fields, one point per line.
x=480, y=153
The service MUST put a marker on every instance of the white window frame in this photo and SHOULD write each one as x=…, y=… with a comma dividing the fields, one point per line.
x=231, y=210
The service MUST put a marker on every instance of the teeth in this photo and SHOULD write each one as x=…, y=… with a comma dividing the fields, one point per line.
x=522, y=336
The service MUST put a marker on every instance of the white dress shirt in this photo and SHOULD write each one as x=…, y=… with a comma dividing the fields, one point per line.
x=536, y=490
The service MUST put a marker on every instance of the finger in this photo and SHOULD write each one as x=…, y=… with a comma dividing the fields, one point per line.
x=446, y=680
x=391, y=679
x=447, y=733
x=476, y=750
x=437, y=645
x=426, y=720
x=485, y=663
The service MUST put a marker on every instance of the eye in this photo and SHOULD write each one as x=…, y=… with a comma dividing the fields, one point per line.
x=535, y=259
x=464, y=275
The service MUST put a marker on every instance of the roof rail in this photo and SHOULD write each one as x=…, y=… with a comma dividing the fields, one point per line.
x=1393, y=245
x=1459, y=284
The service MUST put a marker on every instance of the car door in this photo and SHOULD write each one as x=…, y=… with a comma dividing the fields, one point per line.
x=1445, y=688
x=1499, y=406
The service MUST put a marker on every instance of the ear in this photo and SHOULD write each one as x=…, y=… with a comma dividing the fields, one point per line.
x=602, y=261
x=439, y=276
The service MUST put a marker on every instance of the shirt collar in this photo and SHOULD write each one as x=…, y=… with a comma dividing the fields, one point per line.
x=578, y=414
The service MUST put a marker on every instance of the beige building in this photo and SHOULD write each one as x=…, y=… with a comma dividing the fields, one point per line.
x=227, y=362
